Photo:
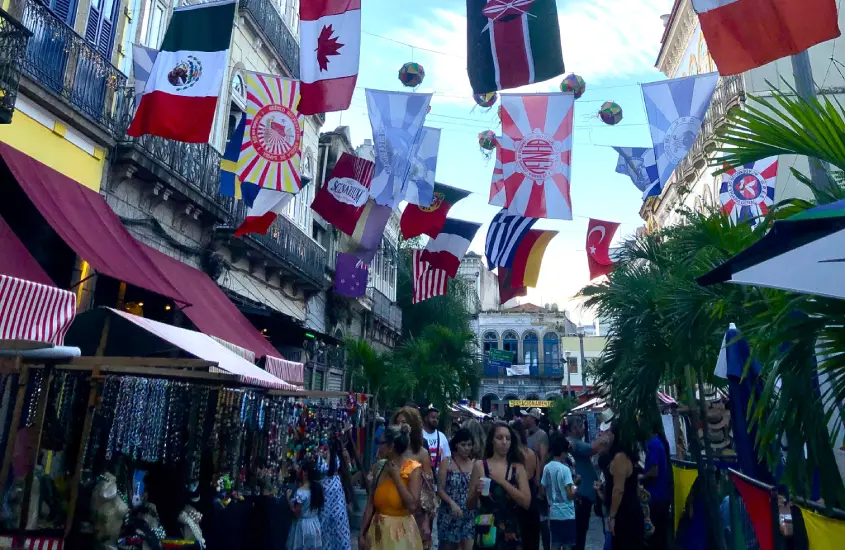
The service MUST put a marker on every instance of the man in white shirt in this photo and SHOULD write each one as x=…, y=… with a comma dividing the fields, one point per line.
x=435, y=440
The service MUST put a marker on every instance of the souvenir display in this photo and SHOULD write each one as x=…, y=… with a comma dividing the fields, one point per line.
x=610, y=113
x=411, y=74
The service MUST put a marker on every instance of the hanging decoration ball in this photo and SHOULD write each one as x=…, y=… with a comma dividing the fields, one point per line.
x=486, y=100
x=610, y=113
x=573, y=83
x=411, y=74
x=487, y=140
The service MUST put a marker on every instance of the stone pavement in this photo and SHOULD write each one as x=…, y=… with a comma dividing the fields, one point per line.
x=595, y=537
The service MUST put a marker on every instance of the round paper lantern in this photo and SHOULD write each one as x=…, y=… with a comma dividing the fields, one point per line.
x=486, y=100
x=573, y=83
x=487, y=140
x=610, y=113
x=411, y=74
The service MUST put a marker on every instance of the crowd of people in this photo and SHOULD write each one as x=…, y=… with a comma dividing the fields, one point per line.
x=527, y=484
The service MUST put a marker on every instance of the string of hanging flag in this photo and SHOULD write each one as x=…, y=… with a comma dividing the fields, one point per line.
x=511, y=43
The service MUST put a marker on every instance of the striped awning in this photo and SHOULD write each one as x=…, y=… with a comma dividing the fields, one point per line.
x=289, y=371
x=236, y=349
x=34, y=311
x=203, y=347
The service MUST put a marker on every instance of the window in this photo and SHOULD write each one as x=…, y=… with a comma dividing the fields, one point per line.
x=551, y=349
x=99, y=32
x=152, y=29
x=491, y=341
x=530, y=348
x=510, y=342
x=572, y=362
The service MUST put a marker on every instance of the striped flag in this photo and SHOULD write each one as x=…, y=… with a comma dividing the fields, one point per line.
x=428, y=281
x=32, y=311
x=505, y=233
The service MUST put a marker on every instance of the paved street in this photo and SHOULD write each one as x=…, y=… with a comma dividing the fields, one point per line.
x=595, y=538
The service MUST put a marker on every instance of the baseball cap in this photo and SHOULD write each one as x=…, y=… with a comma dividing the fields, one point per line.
x=535, y=412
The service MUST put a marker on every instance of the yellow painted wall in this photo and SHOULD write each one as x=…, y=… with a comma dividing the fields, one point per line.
x=50, y=148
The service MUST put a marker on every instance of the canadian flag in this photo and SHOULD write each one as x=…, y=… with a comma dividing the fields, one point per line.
x=744, y=34
x=330, y=49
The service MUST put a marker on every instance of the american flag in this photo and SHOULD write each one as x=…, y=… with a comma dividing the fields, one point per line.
x=428, y=281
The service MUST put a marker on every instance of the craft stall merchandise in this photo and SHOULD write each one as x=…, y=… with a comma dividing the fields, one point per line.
x=38, y=486
x=165, y=454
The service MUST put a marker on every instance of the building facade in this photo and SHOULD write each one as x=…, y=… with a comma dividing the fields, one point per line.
x=546, y=351
x=683, y=52
x=68, y=99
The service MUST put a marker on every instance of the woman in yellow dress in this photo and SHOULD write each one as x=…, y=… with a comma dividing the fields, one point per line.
x=388, y=521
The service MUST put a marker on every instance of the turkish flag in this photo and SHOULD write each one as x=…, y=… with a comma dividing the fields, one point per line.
x=329, y=54
x=599, y=235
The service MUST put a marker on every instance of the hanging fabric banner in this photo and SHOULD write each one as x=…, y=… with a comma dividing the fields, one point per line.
x=272, y=146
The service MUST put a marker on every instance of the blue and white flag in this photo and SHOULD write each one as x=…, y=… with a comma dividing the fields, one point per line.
x=143, y=59
x=397, y=120
x=505, y=233
x=419, y=187
x=675, y=109
x=638, y=163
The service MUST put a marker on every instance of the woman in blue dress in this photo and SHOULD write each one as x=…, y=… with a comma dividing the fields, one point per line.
x=305, y=532
x=334, y=517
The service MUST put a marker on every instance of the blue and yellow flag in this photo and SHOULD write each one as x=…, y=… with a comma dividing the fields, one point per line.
x=230, y=183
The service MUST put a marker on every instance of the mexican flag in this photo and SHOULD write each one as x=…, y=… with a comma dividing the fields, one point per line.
x=181, y=93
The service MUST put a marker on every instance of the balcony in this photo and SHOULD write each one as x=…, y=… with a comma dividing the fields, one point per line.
x=13, y=43
x=285, y=247
x=387, y=312
x=65, y=65
x=189, y=172
x=730, y=93
x=269, y=21
x=542, y=370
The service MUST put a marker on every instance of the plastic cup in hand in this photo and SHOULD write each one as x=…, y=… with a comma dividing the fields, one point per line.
x=485, y=486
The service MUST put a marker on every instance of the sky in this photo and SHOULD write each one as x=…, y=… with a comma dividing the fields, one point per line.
x=612, y=44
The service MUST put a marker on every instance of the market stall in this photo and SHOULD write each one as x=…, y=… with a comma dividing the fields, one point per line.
x=192, y=447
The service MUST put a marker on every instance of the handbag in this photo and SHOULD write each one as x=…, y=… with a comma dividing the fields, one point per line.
x=381, y=464
x=485, y=531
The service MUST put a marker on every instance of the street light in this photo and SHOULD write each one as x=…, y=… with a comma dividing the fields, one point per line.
x=583, y=360
x=566, y=354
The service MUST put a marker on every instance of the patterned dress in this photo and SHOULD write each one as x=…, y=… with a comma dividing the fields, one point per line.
x=505, y=512
x=333, y=517
x=305, y=532
x=451, y=528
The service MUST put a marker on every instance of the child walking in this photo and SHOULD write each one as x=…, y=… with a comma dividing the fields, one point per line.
x=305, y=533
x=560, y=493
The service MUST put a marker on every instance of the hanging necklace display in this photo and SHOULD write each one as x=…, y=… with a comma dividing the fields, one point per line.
x=37, y=383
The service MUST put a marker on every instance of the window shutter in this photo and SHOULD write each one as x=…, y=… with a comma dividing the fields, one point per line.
x=62, y=10
x=93, y=25
x=104, y=41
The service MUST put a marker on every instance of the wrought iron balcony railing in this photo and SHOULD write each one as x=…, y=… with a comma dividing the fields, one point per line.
x=298, y=252
x=13, y=42
x=385, y=310
x=270, y=21
x=540, y=369
x=65, y=64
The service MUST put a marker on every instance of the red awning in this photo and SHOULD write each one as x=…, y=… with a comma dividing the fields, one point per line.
x=210, y=310
x=15, y=259
x=84, y=221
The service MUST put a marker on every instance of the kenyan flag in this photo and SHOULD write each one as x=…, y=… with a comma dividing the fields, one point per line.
x=429, y=220
x=511, y=43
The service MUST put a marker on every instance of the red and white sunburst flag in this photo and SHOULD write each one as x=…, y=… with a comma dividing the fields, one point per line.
x=272, y=145
x=536, y=156
x=330, y=38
